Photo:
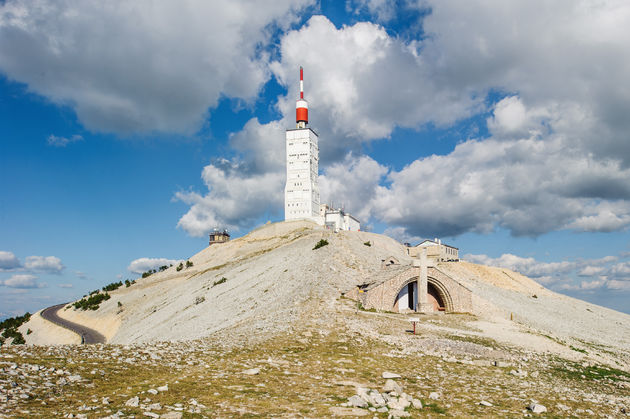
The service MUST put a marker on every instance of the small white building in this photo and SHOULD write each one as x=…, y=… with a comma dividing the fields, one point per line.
x=338, y=219
x=436, y=250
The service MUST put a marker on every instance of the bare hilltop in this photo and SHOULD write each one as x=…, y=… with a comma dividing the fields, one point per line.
x=263, y=321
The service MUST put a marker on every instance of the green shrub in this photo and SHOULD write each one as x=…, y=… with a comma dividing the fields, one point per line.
x=220, y=281
x=29, y=331
x=15, y=322
x=188, y=264
x=180, y=266
x=92, y=302
x=113, y=286
x=320, y=243
x=367, y=243
x=148, y=273
x=12, y=332
x=18, y=339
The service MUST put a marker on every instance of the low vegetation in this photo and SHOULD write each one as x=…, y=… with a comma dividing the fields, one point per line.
x=368, y=244
x=321, y=243
x=92, y=302
x=219, y=282
x=9, y=329
x=304, y=371
x=113, y=286
x=181, y=265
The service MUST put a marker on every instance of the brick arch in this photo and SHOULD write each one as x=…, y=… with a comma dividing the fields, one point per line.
x=443, y=292
x=400, y=287
x=437, y=284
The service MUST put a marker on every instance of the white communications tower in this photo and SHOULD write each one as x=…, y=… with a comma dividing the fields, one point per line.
x=301, y=193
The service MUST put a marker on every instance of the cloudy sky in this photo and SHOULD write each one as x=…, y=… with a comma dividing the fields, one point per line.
x=128, y=130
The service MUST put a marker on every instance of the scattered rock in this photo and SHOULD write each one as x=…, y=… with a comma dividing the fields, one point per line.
x=389, y=375
x=348, y=411
x=172, y=415
x=152, y=391
x=537, y=408
x=434, y=396
x=133, y=402
x=252, y=371
x=416, y=403
x=377, y=399
x=391, y=385
x=163, y=388
x=398, y=403
x=398, y=414
x=485, y=403
x=519, y=373
x=357, y=401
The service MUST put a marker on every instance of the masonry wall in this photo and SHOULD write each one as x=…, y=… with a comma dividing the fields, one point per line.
x=457, y=298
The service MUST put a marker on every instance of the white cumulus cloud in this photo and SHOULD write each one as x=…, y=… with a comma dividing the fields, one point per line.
x=8, y=261
x=140, y=265
x=557, y=155
x=49, y=264
x=22, y=281
x=143, y=66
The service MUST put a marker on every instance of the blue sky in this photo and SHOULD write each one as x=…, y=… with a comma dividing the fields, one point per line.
x=128, y=131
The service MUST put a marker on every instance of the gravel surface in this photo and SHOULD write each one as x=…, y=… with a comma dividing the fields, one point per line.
x=271, y=279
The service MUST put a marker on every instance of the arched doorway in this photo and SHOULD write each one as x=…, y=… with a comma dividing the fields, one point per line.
x=407, y=298
x=434, y=299
x=438, y=297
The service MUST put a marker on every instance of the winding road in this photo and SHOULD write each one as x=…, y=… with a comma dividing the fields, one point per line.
x=88, y=335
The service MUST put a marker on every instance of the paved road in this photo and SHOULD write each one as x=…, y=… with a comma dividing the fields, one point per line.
x=87, y=335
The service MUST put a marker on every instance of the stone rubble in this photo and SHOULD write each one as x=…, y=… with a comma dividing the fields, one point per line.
x=392, y=400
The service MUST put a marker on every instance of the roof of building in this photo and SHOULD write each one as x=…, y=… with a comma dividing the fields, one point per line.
x=433, y=242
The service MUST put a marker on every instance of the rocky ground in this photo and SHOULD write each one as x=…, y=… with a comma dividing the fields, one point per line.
x=257, y=327
x=351, y=363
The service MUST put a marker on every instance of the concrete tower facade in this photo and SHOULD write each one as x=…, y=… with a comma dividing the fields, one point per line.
x=301, y=193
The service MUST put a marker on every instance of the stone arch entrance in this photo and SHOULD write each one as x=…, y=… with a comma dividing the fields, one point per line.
x=438, y=297
x=407, y=297
x=434, y=300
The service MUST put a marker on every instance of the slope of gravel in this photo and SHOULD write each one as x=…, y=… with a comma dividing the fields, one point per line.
x=562, y=317
x=267, y=281
x=271, y=275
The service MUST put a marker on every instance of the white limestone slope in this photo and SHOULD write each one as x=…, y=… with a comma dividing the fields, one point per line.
x=273, y=278
x=271, y=274
x=44, y=332
x=502, y=293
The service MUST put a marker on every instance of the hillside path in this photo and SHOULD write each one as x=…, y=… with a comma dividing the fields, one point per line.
x=88, y=336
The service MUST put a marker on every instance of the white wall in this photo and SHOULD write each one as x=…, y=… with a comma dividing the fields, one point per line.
x=301, y=192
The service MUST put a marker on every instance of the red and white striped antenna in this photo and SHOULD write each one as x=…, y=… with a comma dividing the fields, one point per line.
x=301, y=106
